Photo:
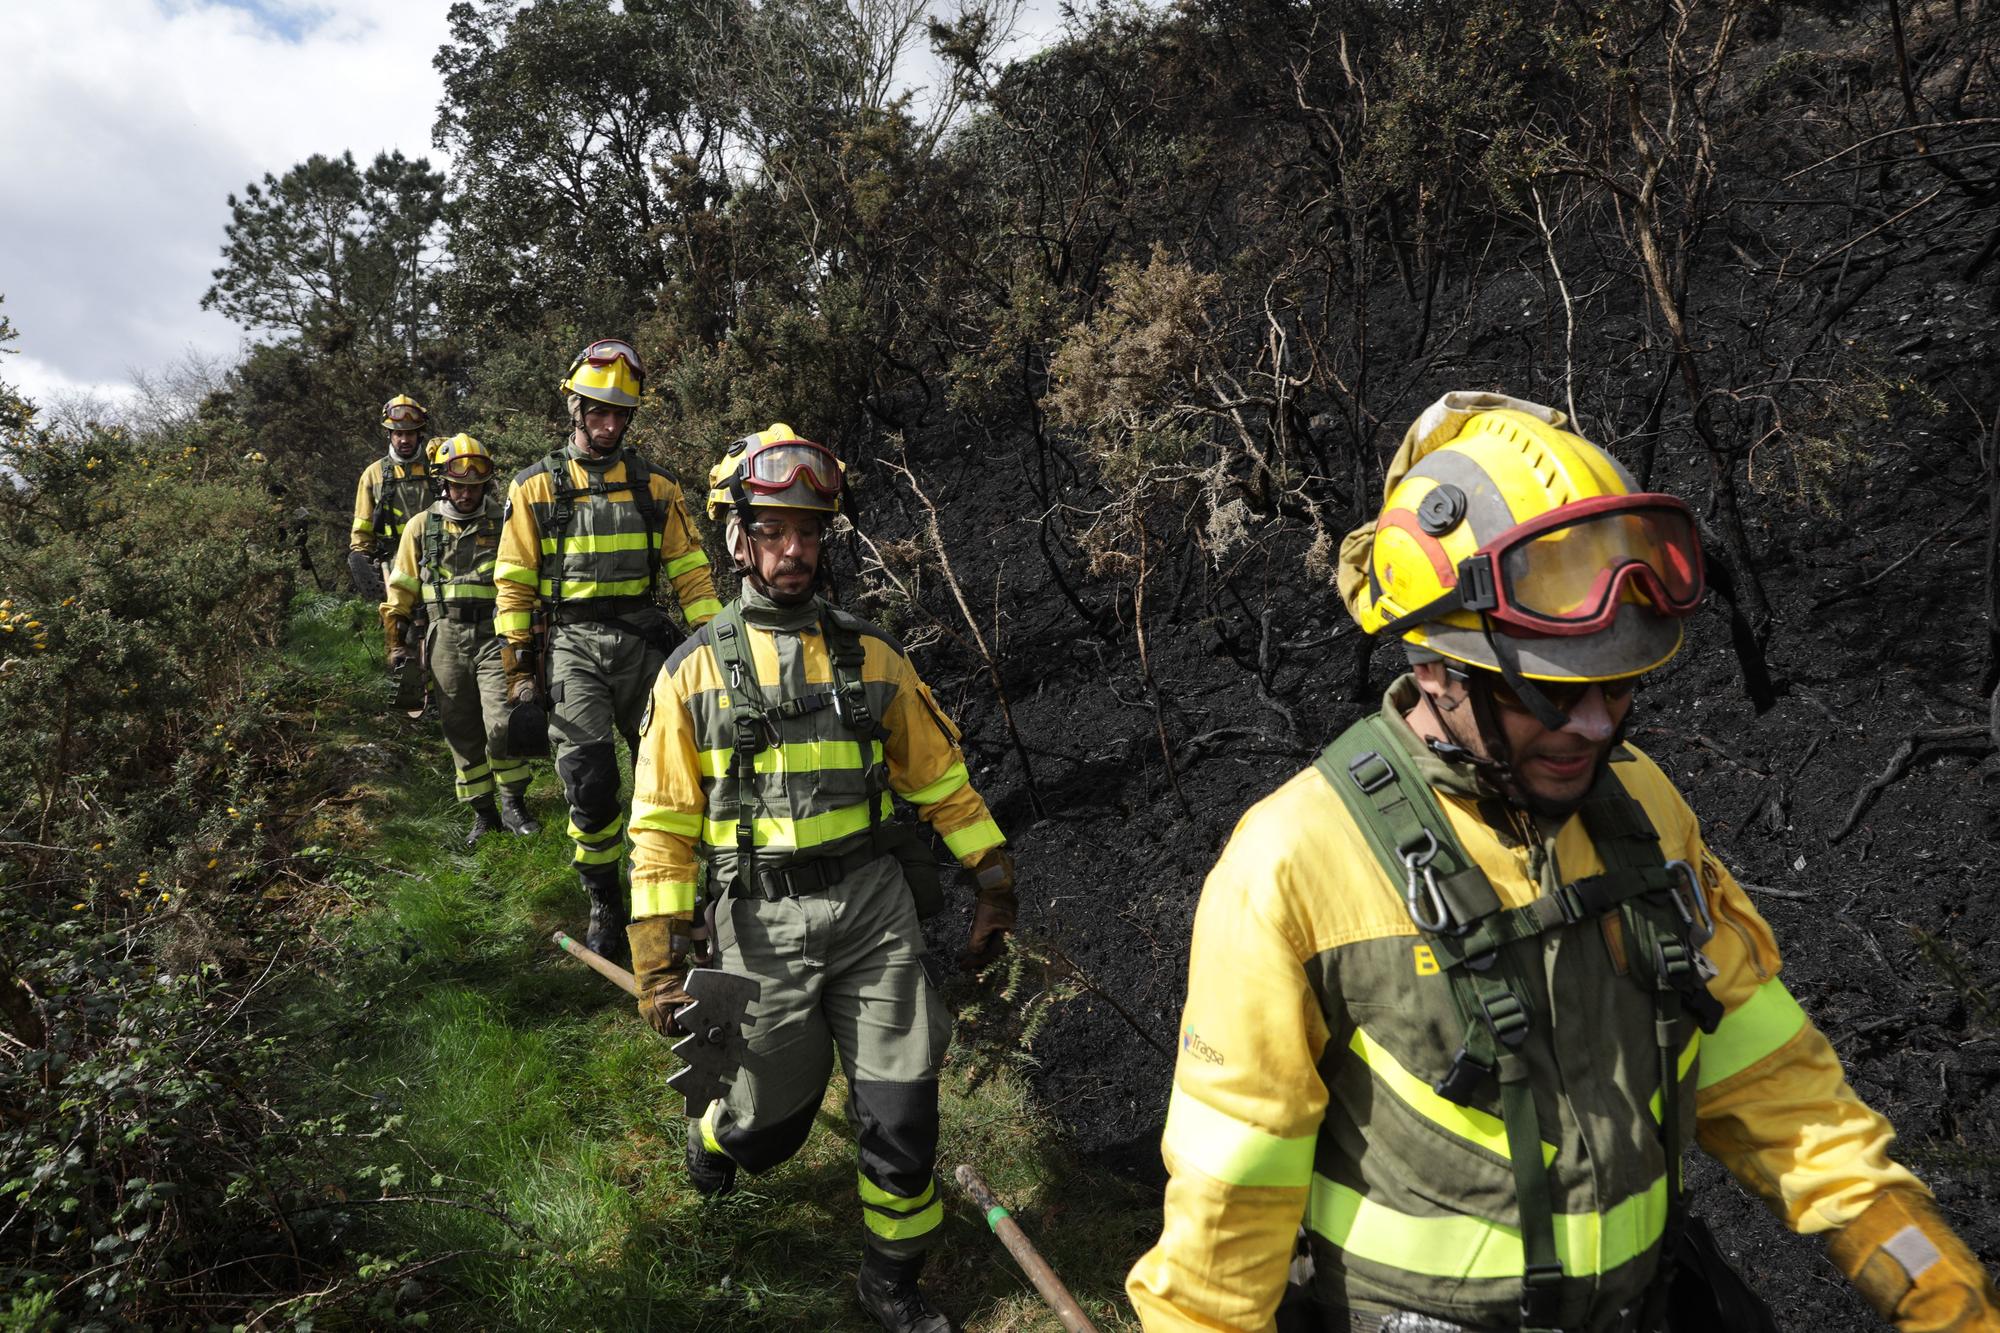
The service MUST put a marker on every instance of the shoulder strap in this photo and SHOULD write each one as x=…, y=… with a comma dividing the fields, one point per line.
x=1449, y=898
x=565, y=513
x=733, y=649
x=847, y=653
x=433, y=556
x=639, y=475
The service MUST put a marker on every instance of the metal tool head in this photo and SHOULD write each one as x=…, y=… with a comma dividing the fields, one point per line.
x=713, y=1050
x=527, y=731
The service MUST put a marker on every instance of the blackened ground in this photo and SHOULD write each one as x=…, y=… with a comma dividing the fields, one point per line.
x=1889, y=933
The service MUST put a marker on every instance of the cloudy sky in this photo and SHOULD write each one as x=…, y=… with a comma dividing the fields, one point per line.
x=130, y=122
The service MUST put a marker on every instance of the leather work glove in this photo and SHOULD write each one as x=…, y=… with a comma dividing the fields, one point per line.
x=396, y=633
x=520, y=662
x=660, y=946
x=993, y=912
x=1918, y=1275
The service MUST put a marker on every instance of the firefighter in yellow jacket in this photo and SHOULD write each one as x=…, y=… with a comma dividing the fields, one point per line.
x=590, y=531
x=445, y=563
x=1461, y=993
x=391, y=491
x=774, y=742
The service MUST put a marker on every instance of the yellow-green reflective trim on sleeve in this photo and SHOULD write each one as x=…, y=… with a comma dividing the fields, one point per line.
x=953, y=778
x=577, y=589
x=659, y=819
x=662, y=897
x=514, y=573
x=1688, y=1052
x=508, y=622
x=681, y=564
x=973, y=839
x=365, y=525
x=798, y=757
x=812, y=831
x=1224, y=1148
x=1466, y=1122
x=1472, y=1248
x=895, y=1203
x=904, y=1228
x=599, y=544
x=1749, y=1032
x=703, y=609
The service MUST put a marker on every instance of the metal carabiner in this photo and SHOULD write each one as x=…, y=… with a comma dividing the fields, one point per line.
x=1699, y=920
x=1421, y=884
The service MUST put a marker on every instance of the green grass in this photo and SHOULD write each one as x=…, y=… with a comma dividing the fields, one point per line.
x=515, y=1155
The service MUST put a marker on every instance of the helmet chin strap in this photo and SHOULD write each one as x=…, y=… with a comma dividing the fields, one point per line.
x=1509, y=659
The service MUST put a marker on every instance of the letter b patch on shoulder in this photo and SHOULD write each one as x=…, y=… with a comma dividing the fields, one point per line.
x=1427, y=963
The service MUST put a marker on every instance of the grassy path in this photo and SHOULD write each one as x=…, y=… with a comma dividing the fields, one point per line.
x=504, y=1115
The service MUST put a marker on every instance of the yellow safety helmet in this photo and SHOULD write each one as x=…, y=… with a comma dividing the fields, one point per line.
x=464, y=460
x=608, y=371
x=779, y=468
x=404, y=413
x=433, y=449
x=1509, y=543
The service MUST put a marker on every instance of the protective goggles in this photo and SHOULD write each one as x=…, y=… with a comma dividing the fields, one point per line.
x=1566, y=571
x=404, y=416
x=1566, y=695
x=778, y=466
x=468, y=468
x=609, y=351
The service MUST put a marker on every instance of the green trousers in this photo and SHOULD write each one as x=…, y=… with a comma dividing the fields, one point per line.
x=841, y=970
x=472, y=700
x=600, y=677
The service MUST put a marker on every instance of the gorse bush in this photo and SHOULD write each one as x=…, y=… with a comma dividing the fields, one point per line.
x=144, y=576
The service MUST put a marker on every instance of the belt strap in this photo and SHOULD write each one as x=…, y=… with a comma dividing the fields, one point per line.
x=816, y=875
x=584, y=609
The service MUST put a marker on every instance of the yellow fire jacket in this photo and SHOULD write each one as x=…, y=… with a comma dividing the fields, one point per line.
x=409, y=487
x=1252, y=1130
x=604, y=553
x=464, y=574
x=809, y=797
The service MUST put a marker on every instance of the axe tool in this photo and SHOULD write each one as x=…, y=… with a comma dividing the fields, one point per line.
x=1047, y=1284
x=712, y=1051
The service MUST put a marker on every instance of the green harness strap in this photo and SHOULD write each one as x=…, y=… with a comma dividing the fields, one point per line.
x=638, y=480
x=848, y=697
x=1454, y=906
x=432, y=560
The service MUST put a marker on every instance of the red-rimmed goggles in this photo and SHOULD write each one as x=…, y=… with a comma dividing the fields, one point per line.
x=405, y=416
x=779, y=465
x=468, y=469
x=1565, y=572
x=610, y=351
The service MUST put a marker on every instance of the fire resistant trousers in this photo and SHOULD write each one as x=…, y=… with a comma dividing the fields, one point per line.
x=841, y=968
x=472, y=700
x=600, y=677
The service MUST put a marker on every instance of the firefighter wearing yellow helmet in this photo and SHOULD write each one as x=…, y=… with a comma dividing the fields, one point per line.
x=391, y=490
x=1463, y=991
x=444, y=563
x=591, y=530
x=776, y=739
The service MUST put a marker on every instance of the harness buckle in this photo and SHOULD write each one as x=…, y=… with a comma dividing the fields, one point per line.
x=1467, y=1072
x=1378, y=772
x=1698, y=919
x=1541, y=1297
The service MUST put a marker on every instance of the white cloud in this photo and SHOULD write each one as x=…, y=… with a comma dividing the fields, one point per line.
x=130, y=124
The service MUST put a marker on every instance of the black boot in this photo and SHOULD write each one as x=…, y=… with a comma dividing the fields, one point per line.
x=514, y=816
x=887, y=1289
x=712, y=1174
x=485, y=820
x=609, y=913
